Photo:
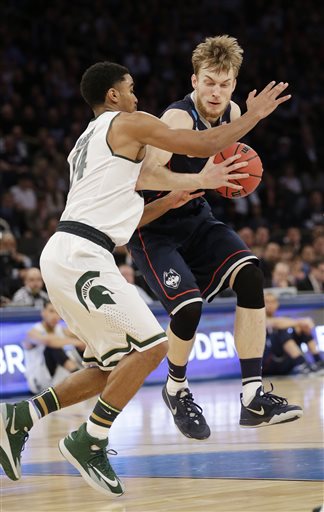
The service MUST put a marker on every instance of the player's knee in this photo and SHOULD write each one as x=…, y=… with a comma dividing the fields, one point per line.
x=248, y=286
x=185, y=322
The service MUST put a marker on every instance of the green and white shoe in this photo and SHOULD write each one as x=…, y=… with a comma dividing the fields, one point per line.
x=15, y=422
x=89, y=456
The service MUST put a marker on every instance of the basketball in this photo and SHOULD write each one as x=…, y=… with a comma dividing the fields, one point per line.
x=254, y=169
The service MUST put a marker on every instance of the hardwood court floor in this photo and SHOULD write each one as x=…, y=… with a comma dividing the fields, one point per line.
x=272, y=469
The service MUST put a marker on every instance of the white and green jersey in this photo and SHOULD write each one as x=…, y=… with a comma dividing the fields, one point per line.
x=102, y=191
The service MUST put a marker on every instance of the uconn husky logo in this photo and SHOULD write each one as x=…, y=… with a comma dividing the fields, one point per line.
x=171, y=278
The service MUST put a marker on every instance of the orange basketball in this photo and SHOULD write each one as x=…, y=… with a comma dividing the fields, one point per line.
x=254, y=169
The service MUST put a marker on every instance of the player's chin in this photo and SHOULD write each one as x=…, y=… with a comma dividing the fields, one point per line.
x=215, y=111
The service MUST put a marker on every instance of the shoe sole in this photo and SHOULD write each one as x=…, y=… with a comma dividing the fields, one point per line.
x=6, y=458
x=166, y=401
x=276, y=420
x=69, y=457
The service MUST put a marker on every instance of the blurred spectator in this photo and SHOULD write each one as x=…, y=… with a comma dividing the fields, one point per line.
x=297, y=271
x=11, y=214
x=289, y=180
x=314, y=281
x=25, y=198
x=293, y=238
x=247, y=235
x=271, y=256
x=32, y=293
x=46, y=361
x=281, y=276
x=287, y=254
x=129, y=274
x=12, y=265
x=262, y=236
x=285, y=335
x=49, y=227
x=12, y=161
x=54, y=197
x=307, y=255
x=121, y=255
x=24, y=194
x=318, y=246
x=312, y=214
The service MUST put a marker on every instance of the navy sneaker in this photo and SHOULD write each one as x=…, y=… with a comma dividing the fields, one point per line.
x=187, y=415
x=268, y=409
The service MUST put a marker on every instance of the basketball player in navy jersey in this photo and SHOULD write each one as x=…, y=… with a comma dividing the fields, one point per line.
x=187, y=255
x=124, y=342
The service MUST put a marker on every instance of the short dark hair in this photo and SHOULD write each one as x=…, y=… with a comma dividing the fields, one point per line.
x=98, y=79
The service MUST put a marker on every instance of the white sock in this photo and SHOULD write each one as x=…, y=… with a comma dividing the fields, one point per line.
x=173, y=387
x=249, y=390
x=96, y=430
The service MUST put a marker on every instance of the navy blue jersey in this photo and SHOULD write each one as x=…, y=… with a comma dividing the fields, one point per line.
x=187, y=255
x=185, y=164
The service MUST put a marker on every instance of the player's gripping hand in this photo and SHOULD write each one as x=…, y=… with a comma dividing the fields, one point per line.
x=220, y=175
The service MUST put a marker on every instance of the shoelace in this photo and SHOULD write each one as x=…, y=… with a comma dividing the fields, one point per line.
x=99, y=458
x=192, y=409
x=275, y=399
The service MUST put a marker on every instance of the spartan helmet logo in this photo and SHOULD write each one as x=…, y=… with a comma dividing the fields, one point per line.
x=171, y=279
x=98, y=294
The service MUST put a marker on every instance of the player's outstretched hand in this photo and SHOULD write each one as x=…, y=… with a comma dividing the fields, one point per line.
x=268, y=99
x=221, y=175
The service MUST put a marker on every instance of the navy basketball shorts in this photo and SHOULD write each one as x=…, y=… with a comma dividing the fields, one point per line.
x=188, y=260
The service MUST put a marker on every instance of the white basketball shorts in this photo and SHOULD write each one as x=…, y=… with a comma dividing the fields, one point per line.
x=95, y=300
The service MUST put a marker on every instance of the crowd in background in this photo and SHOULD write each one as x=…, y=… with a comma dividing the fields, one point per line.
x=45, y=49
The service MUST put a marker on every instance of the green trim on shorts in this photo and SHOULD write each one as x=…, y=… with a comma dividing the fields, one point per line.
x=130, y=341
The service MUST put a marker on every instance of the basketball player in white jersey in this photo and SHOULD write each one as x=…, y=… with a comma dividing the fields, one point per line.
x=124, y=341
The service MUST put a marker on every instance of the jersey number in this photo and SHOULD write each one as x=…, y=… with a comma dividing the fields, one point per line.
x=79, y=162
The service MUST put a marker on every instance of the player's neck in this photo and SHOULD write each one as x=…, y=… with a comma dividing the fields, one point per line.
x=102, y=109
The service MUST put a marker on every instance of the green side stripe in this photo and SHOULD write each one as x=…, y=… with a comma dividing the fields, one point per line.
x=130, y=341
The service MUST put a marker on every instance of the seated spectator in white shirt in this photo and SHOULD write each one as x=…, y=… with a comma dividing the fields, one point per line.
x=52, y=352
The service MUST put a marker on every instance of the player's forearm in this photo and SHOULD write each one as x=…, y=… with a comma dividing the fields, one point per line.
x=154, y=210
x=223, y=136
x=158, y=177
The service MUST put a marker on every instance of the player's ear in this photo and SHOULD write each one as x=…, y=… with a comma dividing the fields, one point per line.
x=194, y=81
x=112, y=95
x=234, y=84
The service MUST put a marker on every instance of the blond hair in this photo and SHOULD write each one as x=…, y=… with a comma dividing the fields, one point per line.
x=220, y=53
